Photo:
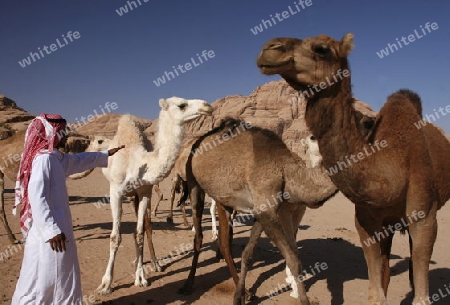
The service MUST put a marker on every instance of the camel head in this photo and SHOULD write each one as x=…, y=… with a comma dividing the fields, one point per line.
x=304, y=63
x=181, y=110
x=98, y=143
x=312, y=150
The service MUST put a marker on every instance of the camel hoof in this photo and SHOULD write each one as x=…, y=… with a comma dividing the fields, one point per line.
x=141, y=283
x=215, y=235
x=242, y=300
x=169, y=220
x=290, y=279
x=103, y=290
x=248, y=295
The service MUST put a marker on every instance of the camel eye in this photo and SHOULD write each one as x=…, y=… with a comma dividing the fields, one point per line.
x=312, y=138
x=100, y=141
x=321, y=50
x=182, y=106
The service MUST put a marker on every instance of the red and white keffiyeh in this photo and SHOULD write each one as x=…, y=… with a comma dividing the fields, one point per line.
x=42, y=135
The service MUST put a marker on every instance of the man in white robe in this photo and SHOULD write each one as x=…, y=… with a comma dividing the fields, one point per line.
x=50, y=272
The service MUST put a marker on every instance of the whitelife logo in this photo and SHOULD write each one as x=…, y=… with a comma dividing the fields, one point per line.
x=49, y=49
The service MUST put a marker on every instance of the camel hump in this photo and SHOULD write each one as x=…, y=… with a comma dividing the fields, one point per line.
x=228, y=123
x=413, y=97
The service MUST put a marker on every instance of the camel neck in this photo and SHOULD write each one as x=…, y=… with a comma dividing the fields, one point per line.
x=307, y=185
x=167, y=148
x=332, y=120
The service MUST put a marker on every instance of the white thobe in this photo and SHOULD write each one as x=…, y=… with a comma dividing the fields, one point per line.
x=46, y=276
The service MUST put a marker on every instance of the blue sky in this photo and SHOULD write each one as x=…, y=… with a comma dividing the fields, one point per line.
x=118, y=58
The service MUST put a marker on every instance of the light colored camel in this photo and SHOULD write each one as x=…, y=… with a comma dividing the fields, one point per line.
x=134, y=170
x=312, y=151
x=11, y=149
x=402, y=173
x=96, y=143
x=99, y=143
x=256, y=174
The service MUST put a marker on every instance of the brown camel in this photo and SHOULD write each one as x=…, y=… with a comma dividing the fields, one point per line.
x=12, y=147
x=179, y=184
x=402, y=175
x=256, y=174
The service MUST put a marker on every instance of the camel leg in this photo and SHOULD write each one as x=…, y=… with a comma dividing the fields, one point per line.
x=241, y=295
x=386, y=245
x=182, y=202
x=197, y=197
x=367, y=227
x=225, y=238
x=290, y=217
x=212, y=210
x=411, y=270
x=148, y=230
x=140, y=208
x=183, y=212
x=115, y=240
x=175, y=183
x=423, y=234
x=3, y=218
x=160, y=198
x=274, y=230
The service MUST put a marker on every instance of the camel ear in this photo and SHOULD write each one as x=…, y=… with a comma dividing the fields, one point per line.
x=163, y=104
x=346, y=44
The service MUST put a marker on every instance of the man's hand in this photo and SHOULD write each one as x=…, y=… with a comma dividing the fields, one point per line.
x=112, y=151
x=58, y=243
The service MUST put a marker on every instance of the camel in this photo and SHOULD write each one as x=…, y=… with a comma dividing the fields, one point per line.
x=179, y=185
x=99, y=143
x=256, y=174
x=134, y=170
x=12, y=148
x=403, y=177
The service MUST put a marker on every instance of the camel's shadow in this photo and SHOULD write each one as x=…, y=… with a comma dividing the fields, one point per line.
x=344, y=263
x=169, y=293
x=439, y=284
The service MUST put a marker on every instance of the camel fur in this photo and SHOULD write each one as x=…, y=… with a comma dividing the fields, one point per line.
x=134, y=170
x=257, y=174
x=406, y=177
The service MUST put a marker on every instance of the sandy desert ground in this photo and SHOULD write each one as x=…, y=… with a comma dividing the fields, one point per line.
x=327, y=235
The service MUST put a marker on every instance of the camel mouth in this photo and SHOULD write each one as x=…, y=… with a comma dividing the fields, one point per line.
x=273, y=68
x=205, y=111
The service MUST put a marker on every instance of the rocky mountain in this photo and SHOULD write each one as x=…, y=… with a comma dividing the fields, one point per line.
x=105, y=124
x=274, y=105
x=12, y=117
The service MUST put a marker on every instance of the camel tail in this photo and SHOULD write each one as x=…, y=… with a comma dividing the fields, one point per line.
x=185, y=193
x=413, y=97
